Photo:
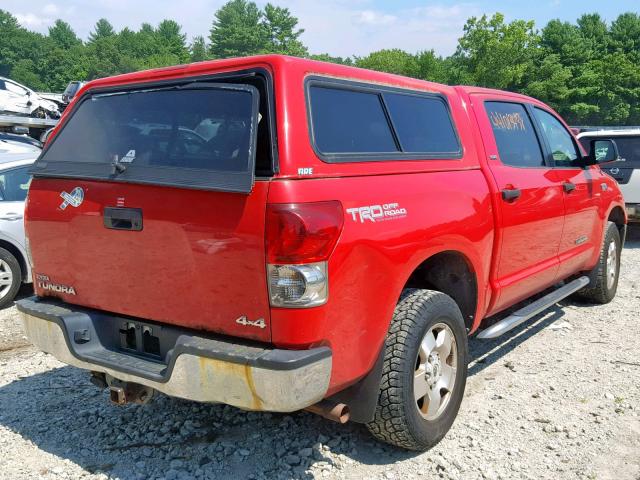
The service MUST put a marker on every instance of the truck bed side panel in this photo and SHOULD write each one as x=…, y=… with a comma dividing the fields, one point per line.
x=433, y=212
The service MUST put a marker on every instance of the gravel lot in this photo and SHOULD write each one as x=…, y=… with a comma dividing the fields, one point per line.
x=559, y=399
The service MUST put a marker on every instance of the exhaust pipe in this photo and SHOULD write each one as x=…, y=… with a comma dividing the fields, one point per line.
x=337, y=412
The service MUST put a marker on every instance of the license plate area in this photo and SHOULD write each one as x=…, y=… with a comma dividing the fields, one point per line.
x=141, y=339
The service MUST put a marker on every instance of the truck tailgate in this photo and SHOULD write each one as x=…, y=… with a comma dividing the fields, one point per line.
x=197, y=261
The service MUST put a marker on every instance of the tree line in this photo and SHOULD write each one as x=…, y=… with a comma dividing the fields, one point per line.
x=588, y=71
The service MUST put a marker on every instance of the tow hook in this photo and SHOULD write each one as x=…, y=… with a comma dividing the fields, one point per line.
x=121, y=393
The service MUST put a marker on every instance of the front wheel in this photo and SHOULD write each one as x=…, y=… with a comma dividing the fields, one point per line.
x=424, y=371
x=604, y=276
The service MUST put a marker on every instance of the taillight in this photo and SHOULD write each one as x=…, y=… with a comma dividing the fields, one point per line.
x=299, y=239
x=302, y=232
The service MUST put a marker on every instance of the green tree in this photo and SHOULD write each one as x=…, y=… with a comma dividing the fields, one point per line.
x=237, y=30
x=281, y=32
x=594, y=31
x=432, y=67
x=390, y=61
x=325, y=57
x=198, y=49
x=63, y=35
x=172, y=41
x=493, y=53
x=102, y=29
x=625, y=35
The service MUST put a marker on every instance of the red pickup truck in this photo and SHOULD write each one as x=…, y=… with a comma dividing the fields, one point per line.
x=280, y=234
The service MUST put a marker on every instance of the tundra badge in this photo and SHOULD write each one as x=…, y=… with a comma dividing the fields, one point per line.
x=45, y=283
x=74, y=198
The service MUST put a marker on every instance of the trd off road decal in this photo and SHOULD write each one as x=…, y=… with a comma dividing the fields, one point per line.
x=75, y=198
x=377, y=213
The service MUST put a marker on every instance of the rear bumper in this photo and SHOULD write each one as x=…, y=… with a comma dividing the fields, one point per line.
x=199, y=368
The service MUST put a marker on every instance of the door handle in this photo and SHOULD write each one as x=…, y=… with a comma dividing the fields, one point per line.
x=12, y=217
x=118, y=218
x=510, y=194
x=568, y=187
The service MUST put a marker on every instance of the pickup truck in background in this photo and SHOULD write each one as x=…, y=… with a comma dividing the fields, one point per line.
x=626, y=173
x=279, y=234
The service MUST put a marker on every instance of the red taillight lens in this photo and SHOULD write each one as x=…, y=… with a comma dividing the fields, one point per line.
x=302, y=232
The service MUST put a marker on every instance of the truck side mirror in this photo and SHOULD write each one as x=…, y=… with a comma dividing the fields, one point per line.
x=603, y=152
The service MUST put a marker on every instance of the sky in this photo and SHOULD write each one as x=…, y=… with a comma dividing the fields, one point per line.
x=338, y=27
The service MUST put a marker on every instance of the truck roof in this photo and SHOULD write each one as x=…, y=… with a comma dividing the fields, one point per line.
x=284, y=62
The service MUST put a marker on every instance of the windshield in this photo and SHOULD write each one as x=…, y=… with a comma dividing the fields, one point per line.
x=628, y=147
x=177, y=136
x=71, y=89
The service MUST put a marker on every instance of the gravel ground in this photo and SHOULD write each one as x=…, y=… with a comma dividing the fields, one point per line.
x=558, y=399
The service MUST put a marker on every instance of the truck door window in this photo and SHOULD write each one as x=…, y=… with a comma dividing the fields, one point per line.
x=562, y=147
x=515, y=136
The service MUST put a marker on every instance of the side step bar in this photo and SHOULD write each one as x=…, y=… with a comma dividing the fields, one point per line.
x=533, y=309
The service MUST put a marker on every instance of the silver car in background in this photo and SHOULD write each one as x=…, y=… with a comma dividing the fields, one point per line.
x=16, y=159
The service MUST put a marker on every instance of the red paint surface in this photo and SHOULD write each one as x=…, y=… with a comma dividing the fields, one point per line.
x=200, y=260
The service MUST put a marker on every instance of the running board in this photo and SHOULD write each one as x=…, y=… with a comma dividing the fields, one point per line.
x=533, y=309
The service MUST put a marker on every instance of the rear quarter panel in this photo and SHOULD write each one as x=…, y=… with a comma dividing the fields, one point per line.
x=373, y=260
x=447, y=204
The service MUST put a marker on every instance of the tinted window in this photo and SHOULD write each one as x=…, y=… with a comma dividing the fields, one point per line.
x=515, y=137
x=160, y=136
x=562, y=146
x=423, y=124
x=346, y=121
x=628, y=147
x=14, y=184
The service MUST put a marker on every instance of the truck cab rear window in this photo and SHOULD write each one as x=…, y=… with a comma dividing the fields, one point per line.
x=200, y=136
x=380, y=124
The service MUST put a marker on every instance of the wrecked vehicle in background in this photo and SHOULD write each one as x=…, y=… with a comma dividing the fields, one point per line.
x=16, y=99
x=72, y=89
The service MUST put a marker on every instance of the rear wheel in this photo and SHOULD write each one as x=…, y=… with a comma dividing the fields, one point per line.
x=10, y=277
x=424, y=371
x=604, y=277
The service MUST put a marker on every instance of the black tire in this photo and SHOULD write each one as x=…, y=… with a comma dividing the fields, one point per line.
x=600, y=290
x=397, y=419
x=12, y=264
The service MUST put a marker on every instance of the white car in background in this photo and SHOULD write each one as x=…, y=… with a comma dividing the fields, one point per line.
x=16, y=99
x=16, y=159
x=626, y=173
